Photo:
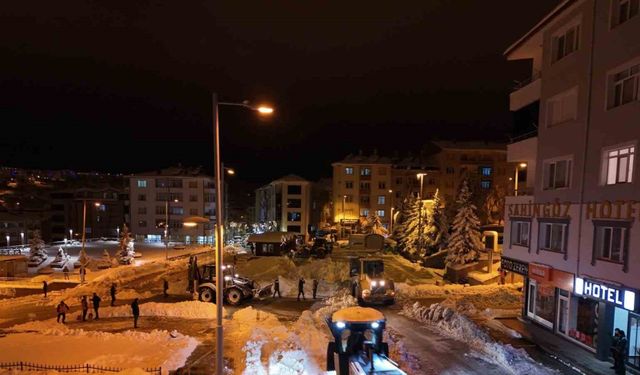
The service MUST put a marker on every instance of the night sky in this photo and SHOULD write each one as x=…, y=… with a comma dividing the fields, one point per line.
x=124, y=86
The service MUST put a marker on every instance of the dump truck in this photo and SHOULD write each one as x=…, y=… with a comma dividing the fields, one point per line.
x=368, y=282
x=236, y=289
x=358, y=347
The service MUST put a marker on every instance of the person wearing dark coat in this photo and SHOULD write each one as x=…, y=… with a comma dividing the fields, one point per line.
x=96, y=304
x=135, y=311
x=85, y=308
x=113, y=294
x=621, y=351
x=45, y=288
x=165, y=288
x=62, y=311
x=276, y=288
x=315, y=288
x=301, y=288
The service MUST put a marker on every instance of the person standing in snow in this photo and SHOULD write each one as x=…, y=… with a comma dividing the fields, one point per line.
x=276, y=287
x=315, y=288
x=135, y=311
x=165, y=288
x=96, y=304
x=301, y=288
x=85, y=308
x=65, y=271
x=113, y=294
x=62, y=311
x=45, y=288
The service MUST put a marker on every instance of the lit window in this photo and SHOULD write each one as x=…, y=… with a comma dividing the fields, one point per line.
x=364, y=212
x=553, y=236
x=381, y=199
x=610, y=243
x=348, y=170
x=142, y=183
x=566, y=42
x=562, y=107
x=557, y=174
x=624, y=86
x=365, y=172
x=293, y=216
x=520, y=233
x=485, y=184
x=380, y=213
x=617, y=166
x=348, y=198
x=486, y=171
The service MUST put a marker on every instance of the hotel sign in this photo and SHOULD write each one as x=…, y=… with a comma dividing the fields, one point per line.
x=516, y=266
x=619, y=209
x=619, y=296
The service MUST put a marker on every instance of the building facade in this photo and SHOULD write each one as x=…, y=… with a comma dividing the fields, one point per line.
x=184, y=192
x=570, y=227
x=287, y=201
x=362, y=185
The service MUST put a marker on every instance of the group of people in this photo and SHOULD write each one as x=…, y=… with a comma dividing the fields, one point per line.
x=301, y=282
x=619, y=351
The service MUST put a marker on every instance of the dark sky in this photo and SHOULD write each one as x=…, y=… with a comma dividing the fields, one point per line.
x=124, y=86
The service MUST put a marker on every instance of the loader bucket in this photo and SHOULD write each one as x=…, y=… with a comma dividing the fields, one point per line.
x=264, y=291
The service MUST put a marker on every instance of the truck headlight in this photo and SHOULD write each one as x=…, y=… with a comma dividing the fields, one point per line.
x=375, y=325
x=227, y=278
x=374, y=283
x=381, y=282
x=340, y=325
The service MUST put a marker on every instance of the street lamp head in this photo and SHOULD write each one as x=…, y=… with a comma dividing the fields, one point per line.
x=97, y=204
x=421, y=175
x=264, y=110
x=390, y=191
x=523, y=165
x=176, y=200
x=231, y=172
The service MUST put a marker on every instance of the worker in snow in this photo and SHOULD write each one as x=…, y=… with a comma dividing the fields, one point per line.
x=65, y=271
x=315, y=288
x=276, y=287
x=96, y=304
x=113, y=294
x=301, y=288
x=135, y=311
x=85, y=308
x=165, y=288
x=62, y=311
x=45, y=288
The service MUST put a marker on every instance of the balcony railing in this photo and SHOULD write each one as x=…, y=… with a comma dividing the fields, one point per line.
x=520, y=84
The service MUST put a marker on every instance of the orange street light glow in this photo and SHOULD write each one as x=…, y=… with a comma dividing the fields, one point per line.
x=190, y=224
x=265, y=110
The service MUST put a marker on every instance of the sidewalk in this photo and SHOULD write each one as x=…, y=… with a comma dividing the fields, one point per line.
x=560, y=349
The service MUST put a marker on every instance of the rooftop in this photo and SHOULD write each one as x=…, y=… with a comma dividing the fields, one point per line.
x=472, y=145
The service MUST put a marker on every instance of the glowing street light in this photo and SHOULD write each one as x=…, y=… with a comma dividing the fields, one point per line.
x=22, y=238
x=263, y=110
x=8, y=238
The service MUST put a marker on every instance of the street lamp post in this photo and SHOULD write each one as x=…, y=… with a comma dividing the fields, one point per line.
x=8, y=238
x=83, y=254
x=391, y=211
x=421, y=178
x=219, y=215
x=166, y=226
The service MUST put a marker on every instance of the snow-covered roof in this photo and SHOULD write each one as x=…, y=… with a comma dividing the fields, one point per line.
x=357, y=315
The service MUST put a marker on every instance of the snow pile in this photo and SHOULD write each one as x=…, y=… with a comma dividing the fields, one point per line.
x=508, y=293
x=340, y=300
x=185, y=309
x=456, y=325
x=7, y=292
x=129, y=349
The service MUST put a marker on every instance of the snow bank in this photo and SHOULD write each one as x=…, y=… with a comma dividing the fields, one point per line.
x=129, y=349
x=456, y=325
x=185, y=309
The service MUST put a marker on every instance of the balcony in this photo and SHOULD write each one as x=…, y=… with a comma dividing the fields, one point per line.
x=525, y=92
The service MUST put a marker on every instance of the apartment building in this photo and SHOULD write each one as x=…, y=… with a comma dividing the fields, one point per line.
x=286, y=201
x=175, y=194
x=361, y=185
x=570, y=229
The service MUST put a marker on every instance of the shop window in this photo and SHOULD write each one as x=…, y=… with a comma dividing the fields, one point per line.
x=633, y=338
x=617, y=165
x=553, y=236
x=541, y=303
x=583, y=320
x=611, y=241
x=520, y=233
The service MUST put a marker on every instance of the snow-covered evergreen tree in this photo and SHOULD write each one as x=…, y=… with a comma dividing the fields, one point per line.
x=126, y=243
x=400, y=221
x=465, y=242
x=36, y=245
x=414, y=240
x=374, y=225
x=437, y=226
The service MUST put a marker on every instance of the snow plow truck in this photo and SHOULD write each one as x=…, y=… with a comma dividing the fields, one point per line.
x=357, y=347
x=236, y=289
x=368, y=282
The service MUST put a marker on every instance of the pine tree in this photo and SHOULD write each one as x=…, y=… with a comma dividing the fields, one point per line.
x=465, y=243
x=36, y=244
x=437, y=226
x=126, y=243
x=414, y=239
x=400, y=221
x=374, y=225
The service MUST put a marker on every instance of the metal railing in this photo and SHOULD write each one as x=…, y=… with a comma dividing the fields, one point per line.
x=86, y=368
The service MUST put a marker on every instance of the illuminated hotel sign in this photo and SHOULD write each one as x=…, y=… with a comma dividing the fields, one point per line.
x=620, y=210
x=607, y=293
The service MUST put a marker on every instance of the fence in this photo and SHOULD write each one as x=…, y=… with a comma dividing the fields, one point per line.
x=86, y=368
